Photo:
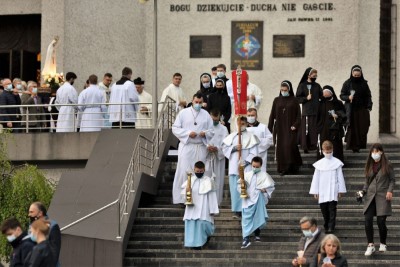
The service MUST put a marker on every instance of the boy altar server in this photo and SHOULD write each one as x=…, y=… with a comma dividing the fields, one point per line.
x=260, y=186
x=249, y=149
x=327, y=184
x=199, y=220
x=215, y=156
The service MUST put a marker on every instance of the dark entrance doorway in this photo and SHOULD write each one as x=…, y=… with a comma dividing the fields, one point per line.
x=20, y=46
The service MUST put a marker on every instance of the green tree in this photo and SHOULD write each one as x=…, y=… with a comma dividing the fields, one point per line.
x=19, y=187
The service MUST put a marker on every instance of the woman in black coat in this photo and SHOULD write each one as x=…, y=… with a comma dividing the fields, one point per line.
x=378, y=194
x=358, y=102
x=330, y=253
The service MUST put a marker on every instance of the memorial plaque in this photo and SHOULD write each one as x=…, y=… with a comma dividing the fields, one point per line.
x=205, y=46
x=247, y=45
x=289, y=46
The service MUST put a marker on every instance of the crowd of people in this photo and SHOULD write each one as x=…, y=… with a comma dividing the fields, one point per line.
x=39, y=244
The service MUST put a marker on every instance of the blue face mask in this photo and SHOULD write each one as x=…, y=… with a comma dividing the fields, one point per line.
x=285, y=94
x=197, y=107
x=8, y=87
x=206, y=85
x=33, y=238
x=256, y=170
x=215, y=123
x=307, y=233
x=34, y=90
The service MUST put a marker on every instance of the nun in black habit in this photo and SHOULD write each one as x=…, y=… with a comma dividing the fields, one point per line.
x=331, y=117
x=284, y=123
x=358, y=102
x=309, y=94
x=206, y=87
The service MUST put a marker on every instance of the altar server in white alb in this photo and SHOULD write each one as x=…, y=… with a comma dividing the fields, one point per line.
x=175, y=92
x=67, y=94
x=145, y=100
x=249, y=149
x=260, y=186
x=199, y=217
x=124, y=91
x=194, y=128
x=215, y=157
x=92, y=115
x=327, y=185
x=262, y=132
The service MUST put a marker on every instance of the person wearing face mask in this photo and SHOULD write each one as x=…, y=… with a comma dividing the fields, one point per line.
x=378, y=195
x=199, y=218
x=42, y=255
x=193, y=127
x=309, y=244
x=19, y=240
x=262, y=132
x=284, y=122
x=230, y=148
x=17, y=84
x=37, y=211
x=10, y=117
x=309, y=94
x=67, y=94
x=215, y=157
x=221, y=74
x=358, y=102
x=220, y=100
x=259, y=187
x=33, y=116
x=327, y=185
x=331, y=117
x=206, y=87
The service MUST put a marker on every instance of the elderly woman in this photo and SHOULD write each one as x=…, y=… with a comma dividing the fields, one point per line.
x=330, y=253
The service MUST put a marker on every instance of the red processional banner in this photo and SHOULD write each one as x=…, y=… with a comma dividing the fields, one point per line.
x=240, y=104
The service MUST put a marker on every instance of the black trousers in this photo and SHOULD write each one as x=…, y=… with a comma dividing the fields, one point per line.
x=257, y=232
x=328, y=210
x=369, y=224
x=124, y=125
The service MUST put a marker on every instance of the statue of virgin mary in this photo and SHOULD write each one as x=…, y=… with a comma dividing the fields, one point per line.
x=50, y=65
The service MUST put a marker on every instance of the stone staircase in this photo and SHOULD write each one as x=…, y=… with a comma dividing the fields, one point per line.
x=157, y=236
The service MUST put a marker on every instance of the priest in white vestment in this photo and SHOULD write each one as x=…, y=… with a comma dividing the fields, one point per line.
x=175, y=92
x=193, y=127
x=124, y=91
x=145, y=99
x=249, y=148
x=66, y=94
x=92, y=105
x=260, y=187
x=105, y=87
x=199, y=217
x=215, y=156
x=327, y=185
x=262, y=132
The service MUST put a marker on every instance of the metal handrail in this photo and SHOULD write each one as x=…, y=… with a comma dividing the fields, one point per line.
x=127, y=186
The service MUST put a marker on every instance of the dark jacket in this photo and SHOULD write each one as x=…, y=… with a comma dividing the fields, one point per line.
x=22, y=246
x=41, y=256
x=9, y=114
x=377, y=189
x=312, y=249
x=35, y=113
x=221, y=101
x=362, y=96
x=310, y=107
x=338, y=261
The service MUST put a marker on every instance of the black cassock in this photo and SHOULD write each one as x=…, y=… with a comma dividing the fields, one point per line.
x=328, y=128
x=286, y=113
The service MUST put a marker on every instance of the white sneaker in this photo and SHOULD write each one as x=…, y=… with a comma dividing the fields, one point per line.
x=382, y=248
x=370, y=250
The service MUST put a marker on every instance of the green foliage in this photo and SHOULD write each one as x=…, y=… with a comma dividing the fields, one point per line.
x=19, y=187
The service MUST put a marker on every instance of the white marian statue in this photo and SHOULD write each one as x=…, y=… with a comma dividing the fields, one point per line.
x=50, y=63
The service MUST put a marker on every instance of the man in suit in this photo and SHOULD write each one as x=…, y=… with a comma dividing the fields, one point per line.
x=33, y=116
x=309, y=244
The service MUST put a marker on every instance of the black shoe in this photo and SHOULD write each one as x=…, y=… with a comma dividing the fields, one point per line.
x=208, y=240
x=246, y=243
x=356, y=150
x=329, y=231
x=196, y=248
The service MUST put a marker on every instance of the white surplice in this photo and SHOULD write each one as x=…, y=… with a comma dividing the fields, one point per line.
x=123, y=93
x=204, y=199
x=253, y=89
x=255, y=183
x=265, y=136
x=328, y=180
x=144, y=119
x=190, y=150
x=174, y=92
x=66, y=121
x=92, y=115
x=216, y=160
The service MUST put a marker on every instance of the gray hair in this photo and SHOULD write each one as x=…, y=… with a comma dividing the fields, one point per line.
x=30, y=83
x=311, y=220
x=16, y=80
x=335, y=241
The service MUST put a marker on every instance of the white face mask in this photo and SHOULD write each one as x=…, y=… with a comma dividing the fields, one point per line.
x=206, y=85
x=328, y=155
x=220, y=74
x=19, y=86
x=307, y=233
x=251, y=119
x=11, y=238
x=243, y=128
x=284, y=93
x=376, y=156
